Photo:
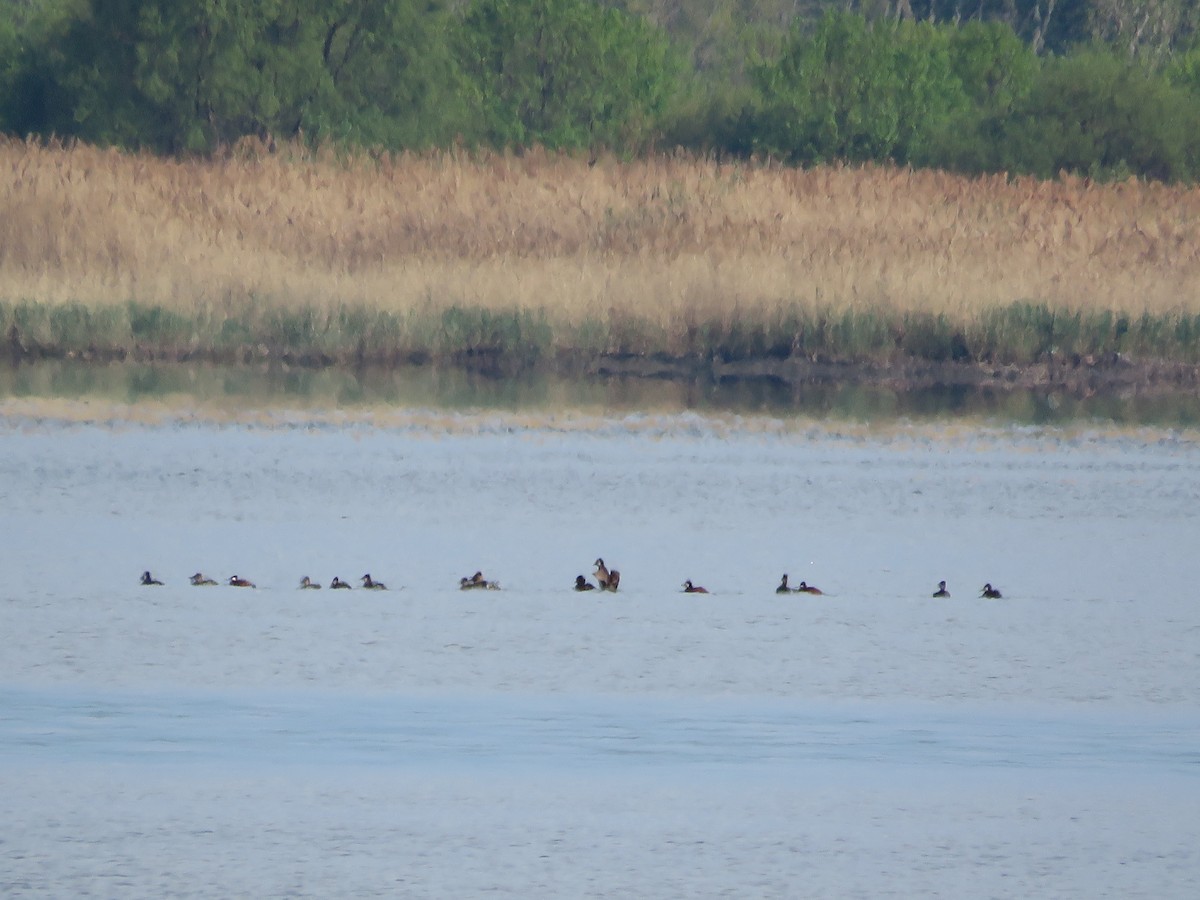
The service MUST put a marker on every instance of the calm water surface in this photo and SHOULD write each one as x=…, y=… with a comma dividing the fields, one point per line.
x=533, y=741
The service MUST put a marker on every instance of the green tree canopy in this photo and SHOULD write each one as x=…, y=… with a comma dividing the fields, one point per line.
x=996, y=68
x=565, y=73
x=1097, y=114
x=857, y=90
x=1184, y=71
x=186, y=75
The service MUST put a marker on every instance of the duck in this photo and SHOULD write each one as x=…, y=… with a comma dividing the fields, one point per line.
x=307, y=584
x=371, y=584
x=338, y=585
x=236, y=581
x=689, y=588
x=477, y=581
x=606, y=579
x=148, y=579
x=990, y=592
x=200, y=581
x=582, y=584
x=806, y=588
x=783, y=586
x=941, y=591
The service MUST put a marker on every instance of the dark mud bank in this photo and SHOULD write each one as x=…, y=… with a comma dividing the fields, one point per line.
x=1073, y=375
x=1079, y=377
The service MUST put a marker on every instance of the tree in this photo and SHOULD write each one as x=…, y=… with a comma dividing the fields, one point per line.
x=392, y=75
x=565, y=73
x=1097, y=114
x=1147, y=30
x=1183, y=71
x=189, y=75
x=10, y=56
x=997, y=70
x=857, y=91
x=1046, y=25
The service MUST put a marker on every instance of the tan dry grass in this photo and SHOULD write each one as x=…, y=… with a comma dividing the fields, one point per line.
x=670, y=239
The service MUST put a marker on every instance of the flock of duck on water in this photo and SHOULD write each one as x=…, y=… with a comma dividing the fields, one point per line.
x=606, y=580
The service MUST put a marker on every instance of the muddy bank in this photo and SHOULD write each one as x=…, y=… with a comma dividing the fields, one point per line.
x=1075, y=375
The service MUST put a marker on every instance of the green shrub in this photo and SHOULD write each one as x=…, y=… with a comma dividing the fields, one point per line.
x=857, y=90
x=1094, y=114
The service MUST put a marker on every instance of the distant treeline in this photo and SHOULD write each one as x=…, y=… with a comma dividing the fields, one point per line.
x=1104, y=88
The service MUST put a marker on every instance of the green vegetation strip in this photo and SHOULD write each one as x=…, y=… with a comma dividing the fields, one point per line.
x=1103, y=88
x=1019, y=334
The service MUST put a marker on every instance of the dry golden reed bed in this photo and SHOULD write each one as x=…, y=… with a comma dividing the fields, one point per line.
x=670, y=241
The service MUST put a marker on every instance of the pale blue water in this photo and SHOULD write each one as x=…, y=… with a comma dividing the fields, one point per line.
x=575, y=733
x=536, y=742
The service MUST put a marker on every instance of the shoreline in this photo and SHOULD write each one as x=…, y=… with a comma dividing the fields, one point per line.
x=1074, y=375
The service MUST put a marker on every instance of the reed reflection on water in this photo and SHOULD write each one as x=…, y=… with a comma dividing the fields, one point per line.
x=455, y=388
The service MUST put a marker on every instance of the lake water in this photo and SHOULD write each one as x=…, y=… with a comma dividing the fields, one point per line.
x=426, y=741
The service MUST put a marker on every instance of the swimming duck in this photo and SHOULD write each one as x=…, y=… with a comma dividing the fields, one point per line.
x=941, y=591
x=235, y=581
x=689, y=588
x=371, y=584
x=607, y=580
x=338, y=585
x=308, y=584
x=477, y=582
x=200, y=581
x=783, y=586
x=806, y=588
x=148, y=579
x=582, y=584
x=990, y=592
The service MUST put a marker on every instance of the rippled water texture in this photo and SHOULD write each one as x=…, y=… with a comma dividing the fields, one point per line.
x=426, y=741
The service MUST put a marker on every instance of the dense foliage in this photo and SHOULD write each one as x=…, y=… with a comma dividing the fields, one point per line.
x=1016, y=85
x=564, y=73
x=857, y=92
x=189, y=75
